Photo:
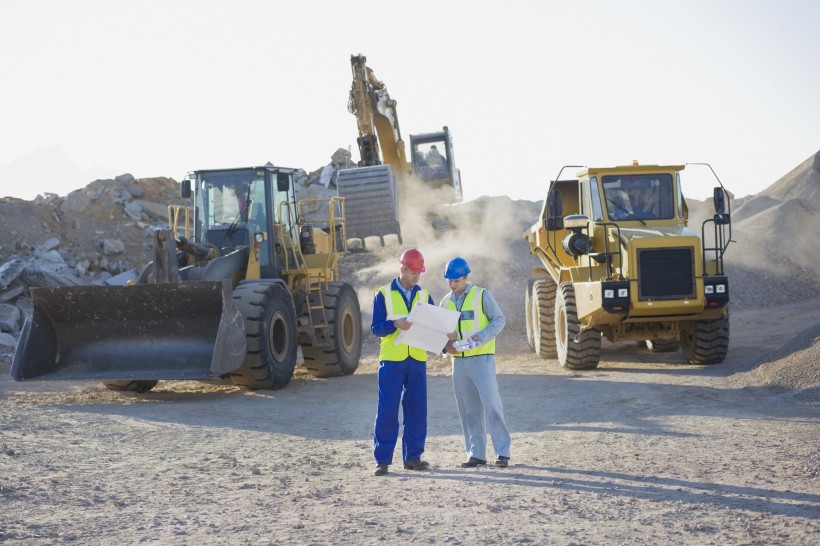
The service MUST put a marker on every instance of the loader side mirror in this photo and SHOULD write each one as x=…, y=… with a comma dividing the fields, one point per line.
x=282, y=181
x=720, y=200
x=185, y=189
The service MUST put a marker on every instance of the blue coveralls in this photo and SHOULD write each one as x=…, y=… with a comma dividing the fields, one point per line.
x=403, y=382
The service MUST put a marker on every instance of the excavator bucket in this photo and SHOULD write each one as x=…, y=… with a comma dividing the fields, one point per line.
x=171, y=330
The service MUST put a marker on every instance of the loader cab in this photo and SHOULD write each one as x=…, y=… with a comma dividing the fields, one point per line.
x=233, y=205
x=433, y=162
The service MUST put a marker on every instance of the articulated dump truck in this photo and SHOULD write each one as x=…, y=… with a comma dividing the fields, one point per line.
x=619, y=260
x=237, y=281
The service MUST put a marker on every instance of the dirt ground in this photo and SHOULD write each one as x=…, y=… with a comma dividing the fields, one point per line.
x=643, y=450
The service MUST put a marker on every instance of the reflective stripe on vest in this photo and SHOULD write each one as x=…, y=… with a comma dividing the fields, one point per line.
x=396, y=309
x=469, y=325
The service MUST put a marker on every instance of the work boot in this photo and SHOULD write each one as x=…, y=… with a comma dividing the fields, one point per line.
x=473, y=462
x=381, y=470
x=502, y=461
x=416, y=464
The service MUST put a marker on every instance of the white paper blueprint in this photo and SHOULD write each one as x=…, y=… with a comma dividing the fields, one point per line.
x=431, y=325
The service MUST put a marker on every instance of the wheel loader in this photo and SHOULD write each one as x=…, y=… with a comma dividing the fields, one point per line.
x=618, y=260
x=237, y=281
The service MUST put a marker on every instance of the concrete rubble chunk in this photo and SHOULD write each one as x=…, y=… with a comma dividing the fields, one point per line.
x=75, y=202
x=34, y=275
x=134, y=210
x=10, y=271
x=15, y=289
x=51, y=261
x=135, y=190
x=7, y=340
x=51, y=244
x=112, y=246
x=9, y=318
x=155, y=211
x=125, y=178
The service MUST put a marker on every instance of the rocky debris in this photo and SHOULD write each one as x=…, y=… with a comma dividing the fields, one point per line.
x=100, y=234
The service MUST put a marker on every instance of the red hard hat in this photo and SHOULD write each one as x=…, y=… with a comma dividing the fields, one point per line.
x=413, y=260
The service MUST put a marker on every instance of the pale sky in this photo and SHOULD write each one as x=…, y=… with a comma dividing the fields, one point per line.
x=160, y=88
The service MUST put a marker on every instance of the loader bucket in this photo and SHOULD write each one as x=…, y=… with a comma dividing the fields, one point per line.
x=175, y=330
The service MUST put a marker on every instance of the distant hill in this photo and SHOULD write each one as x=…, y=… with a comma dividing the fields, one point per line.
x=25, y=176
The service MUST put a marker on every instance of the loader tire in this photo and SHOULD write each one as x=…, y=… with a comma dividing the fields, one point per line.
x=341, y=357
x=270, y=330
x=131, y=386
x=662, y=345
x=706, y=342
x=543, y=318
x=577, y=350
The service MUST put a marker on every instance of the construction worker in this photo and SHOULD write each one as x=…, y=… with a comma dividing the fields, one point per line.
x=434, y=158
x=472, y=348
x=402, y=372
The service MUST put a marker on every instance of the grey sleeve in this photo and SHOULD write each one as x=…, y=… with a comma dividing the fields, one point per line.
x=493, y=312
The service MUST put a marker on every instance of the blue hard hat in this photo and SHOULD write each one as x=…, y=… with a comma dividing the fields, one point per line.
x=456, y=268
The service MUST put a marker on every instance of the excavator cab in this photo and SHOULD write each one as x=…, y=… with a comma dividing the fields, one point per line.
x=434, y=163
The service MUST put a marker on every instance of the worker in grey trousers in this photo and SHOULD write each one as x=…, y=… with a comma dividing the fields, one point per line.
x=472, y=347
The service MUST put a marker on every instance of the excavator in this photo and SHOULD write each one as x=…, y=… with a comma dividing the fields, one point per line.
x=373, y=188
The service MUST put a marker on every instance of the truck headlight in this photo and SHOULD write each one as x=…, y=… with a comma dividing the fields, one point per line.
x=609, y=293
x=721, y=288
x=623, y=292
x=709, y=289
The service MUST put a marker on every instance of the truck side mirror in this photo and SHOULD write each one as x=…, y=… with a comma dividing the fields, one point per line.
x=282, y=181
x=555, y=211
x=720, y=200
x=185, y=189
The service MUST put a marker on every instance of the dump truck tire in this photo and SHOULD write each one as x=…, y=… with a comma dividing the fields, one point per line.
x=341, y=357
x=576, y=350
x=707, y=342
x=543, y=318
x=130, y=386
x=528, y=314
x=270, y=330
x=662, y=345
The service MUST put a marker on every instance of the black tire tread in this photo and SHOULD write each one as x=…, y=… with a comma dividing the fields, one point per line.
x=324, y=361
x=585, y=353
x=707, y=342
x=544, y=342
x=662, y=345
x=260, y=370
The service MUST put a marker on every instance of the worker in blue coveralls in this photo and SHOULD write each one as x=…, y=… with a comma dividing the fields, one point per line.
x=402, y=369
x=472, y=348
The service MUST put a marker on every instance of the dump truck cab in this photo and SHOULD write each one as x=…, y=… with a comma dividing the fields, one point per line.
x=616, y=242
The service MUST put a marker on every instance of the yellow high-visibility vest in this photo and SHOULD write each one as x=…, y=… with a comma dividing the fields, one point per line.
x=474, y=321
x=394, y=303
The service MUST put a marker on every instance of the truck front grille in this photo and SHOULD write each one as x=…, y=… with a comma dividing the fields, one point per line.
x=666, y=273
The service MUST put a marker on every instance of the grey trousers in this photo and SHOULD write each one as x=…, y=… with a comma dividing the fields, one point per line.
x=479, y=405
